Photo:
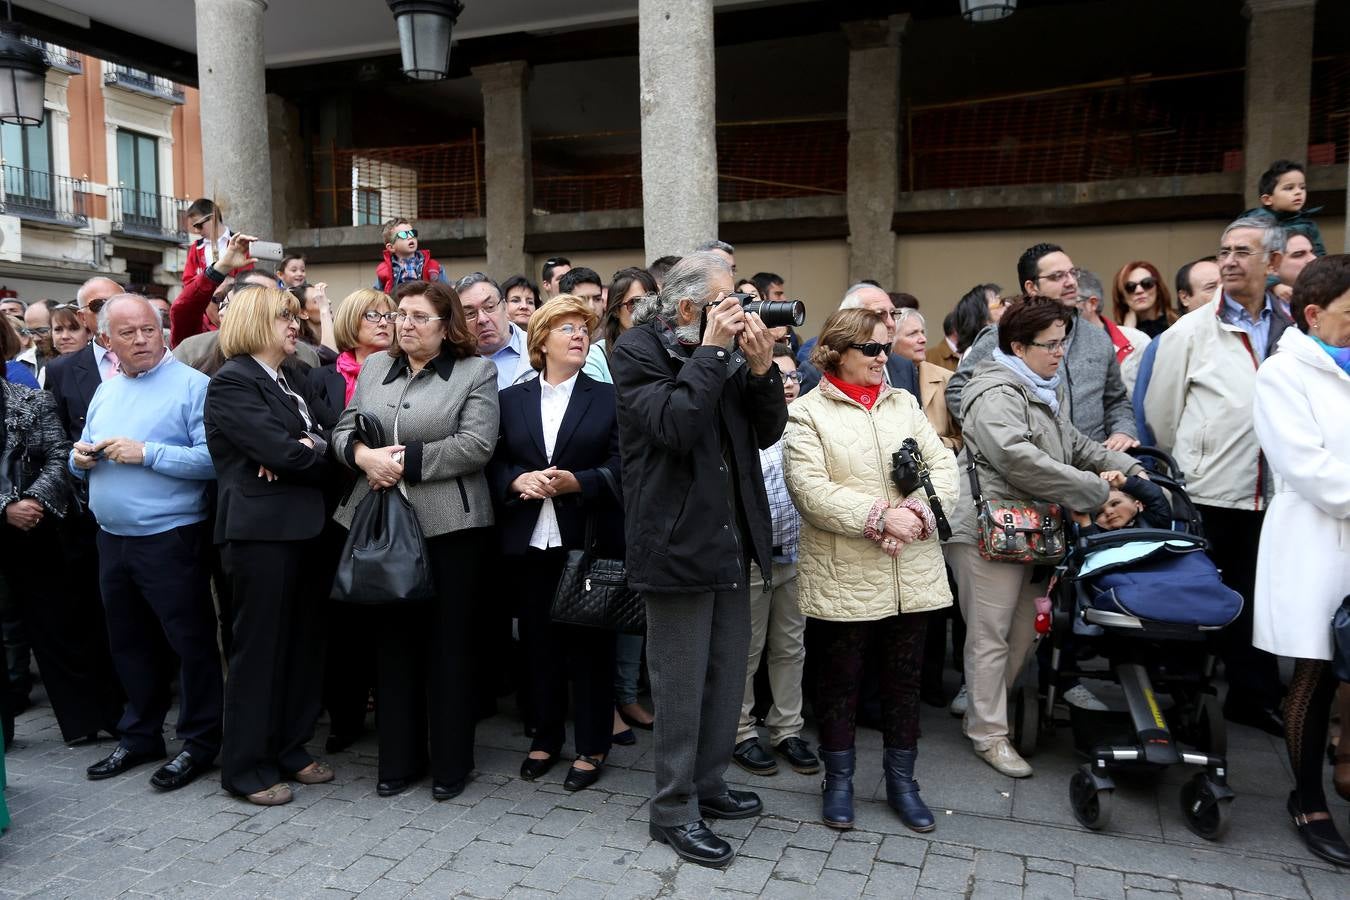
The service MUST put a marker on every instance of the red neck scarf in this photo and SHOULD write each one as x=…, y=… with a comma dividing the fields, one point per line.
x=349, y=368
x=864, y=394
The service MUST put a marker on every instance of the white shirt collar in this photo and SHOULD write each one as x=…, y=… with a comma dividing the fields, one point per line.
x=562, y=389
x=271, y=372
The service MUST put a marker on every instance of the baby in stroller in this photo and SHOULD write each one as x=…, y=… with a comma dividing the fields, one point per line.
x=1134, y=502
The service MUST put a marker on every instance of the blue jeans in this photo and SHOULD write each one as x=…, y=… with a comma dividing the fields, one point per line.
x=627, y=665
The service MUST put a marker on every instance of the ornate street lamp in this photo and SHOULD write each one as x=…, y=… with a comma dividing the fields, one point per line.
x=987, y=10
x=424, y=29
x=23, y=77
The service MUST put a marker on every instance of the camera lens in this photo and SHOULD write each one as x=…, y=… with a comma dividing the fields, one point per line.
x=778, y=313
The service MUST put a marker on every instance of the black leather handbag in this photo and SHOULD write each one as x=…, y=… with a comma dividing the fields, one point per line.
x=910, y=473
x=593, y=591
x=1340, y=641
x=384, y=560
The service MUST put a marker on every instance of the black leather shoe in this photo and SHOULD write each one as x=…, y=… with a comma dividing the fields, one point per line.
x=753, y=758
x=694, y=842
x=1266, y=718
x=580, y=779
x=625, y=738
x=119, y=761
x=531, y=768
x=798, y=755
x=731, y=805
x=1320, y=835
x=181, y=771
x=392, y=787
x=447, y=790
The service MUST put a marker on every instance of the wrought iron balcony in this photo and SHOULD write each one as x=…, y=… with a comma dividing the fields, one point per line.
x=145, y=215
x=58, y=57
x=43, y=197
x=142, y=82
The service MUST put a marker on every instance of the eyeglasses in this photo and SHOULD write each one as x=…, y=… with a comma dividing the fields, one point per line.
x=999, y=302
x=286, y=316
x=201, y=223
x=373, y=317
x=405, y=234
x=73, y=307
x=793, y=376
x=1050, y=346
x=571, y=328
x=418, y=319
x=1060, y=276
x=1235, y=252
x=1147, y=284
x=487, y=307
x=40, y=331
x=871, y=348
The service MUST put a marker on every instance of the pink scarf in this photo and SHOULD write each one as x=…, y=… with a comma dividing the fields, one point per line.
x=349, y=368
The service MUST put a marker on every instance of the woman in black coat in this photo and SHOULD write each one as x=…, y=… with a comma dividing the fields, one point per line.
x=556, y=464
x=268, y=445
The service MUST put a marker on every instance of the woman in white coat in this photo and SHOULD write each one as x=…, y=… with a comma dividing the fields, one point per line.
x=1303, y=567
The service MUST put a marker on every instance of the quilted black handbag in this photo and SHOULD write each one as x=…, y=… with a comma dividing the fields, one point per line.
x=385, y=557
x=1340, y=640
x=594, y=591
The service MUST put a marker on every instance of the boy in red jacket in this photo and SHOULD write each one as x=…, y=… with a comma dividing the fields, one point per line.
x=403, y=261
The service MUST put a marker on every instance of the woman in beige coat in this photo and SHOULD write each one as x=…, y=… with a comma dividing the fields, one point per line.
x=870, y=561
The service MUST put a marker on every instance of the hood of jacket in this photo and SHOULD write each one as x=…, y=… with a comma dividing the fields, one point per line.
x=993, y=374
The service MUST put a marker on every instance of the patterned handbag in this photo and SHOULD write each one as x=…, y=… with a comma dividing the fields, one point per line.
x=1018, y=531
x=594, y=592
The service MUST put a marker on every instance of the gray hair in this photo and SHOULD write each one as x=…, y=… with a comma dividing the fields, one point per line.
x=851, y=300
x=708, y=246
x=905, y=313
x=473, y=278
x=1089, y=285
x=689, y=279
x=106, y=309
x=1273, y=235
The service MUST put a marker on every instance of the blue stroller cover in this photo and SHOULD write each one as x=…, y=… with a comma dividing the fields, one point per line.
x=1170, y=582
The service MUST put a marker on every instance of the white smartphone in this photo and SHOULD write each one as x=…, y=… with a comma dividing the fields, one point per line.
x=265, y=250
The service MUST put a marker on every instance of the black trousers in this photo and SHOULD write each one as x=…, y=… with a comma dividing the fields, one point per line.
x=276, y=662
x=843, y=648
x=1253, y=674
x=349, y=659
x=555, y=654
x=158, y=600
x=64, y=622
x=424, y=675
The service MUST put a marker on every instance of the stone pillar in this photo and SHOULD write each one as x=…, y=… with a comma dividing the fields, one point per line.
x=873, y=148
x=291, y=185
x=236, y=160
x=508, y=176
x=1279, y=86
x=677, y=96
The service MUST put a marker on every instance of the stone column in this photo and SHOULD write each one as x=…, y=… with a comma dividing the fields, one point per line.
x=679, y=136
x=1279, y=86
x=873, y=146
x=236, y=160
x=508, y=176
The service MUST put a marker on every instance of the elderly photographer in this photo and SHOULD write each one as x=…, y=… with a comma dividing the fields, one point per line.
x=699, y=396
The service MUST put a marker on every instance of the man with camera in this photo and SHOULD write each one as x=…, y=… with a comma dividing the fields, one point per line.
x=699, y=396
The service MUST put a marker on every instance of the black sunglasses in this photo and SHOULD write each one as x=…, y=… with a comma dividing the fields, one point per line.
x=1147, y=284
x=871, y=348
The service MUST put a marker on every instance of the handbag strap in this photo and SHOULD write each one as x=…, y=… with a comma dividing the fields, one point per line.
x=608, y=476
x=588, y=547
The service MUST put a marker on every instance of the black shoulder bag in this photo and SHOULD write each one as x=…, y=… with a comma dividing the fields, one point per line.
x=910, y=472
x=594, y=592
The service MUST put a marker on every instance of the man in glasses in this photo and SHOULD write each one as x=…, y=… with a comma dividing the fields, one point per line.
x=404, y=260
x=1199, y=405
x=1094, y=392
x=555, y=267
x=499, y=339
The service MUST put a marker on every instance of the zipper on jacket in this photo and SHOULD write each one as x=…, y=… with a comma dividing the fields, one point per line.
x=463, y=494
x=881, y=457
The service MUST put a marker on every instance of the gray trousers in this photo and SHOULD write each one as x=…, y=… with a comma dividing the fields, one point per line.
x=696, y=653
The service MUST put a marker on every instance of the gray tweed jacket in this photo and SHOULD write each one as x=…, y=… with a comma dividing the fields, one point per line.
x=30, y=421
x=447, y=418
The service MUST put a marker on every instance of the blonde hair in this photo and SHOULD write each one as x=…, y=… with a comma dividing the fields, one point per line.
x=847, y=326
x=541, y=323
x=347, y=319
x=248, y=326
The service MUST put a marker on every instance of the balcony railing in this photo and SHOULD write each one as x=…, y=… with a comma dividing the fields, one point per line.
x=58, y=57
x=141, y=214
x=142, y=82
x=43, y=197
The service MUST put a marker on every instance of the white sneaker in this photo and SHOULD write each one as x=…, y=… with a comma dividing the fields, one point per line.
x=1081, y=697
x=1005, y=759
x=959, y=703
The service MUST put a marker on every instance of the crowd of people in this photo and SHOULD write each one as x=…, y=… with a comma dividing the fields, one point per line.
x=179, y=483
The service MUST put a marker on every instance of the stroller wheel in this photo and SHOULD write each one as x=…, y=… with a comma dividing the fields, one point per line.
x=1207, y=811
x=1091, y=805
x=1026, y=719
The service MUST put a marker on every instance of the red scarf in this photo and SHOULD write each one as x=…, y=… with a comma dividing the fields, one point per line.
x=864, y=394
x=349, y=368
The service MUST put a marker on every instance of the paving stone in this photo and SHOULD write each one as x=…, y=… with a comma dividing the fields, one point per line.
x=635, y=884
x=811, y=836
x=946, y=873
x=418, y=865
x=559, y=822
x=360, y=874
x=765, y=843
x=1146, y=894
x=1099, y=884
x=1000, y=867
x=384, y=889
x=800, y=865
x=891, y=880
x=1052, y=866
x=1149, y=883
x=953, y=850
x=1044, y=886
x=852, y=856
x=1192, y=891
x=839, y=885
x=907, y=851
x=609, y=865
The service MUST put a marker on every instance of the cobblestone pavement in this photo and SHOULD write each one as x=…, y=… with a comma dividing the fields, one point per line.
x=503, y=837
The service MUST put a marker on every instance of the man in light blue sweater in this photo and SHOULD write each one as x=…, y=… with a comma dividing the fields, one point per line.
x=144, y=454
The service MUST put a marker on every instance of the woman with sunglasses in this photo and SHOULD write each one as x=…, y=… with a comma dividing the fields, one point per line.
x=69, y=334
x=1141, y=299
x=1021, y=449
x=870, y=565
x=436, y=400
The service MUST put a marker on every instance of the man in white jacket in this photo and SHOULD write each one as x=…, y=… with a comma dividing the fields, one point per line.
x=1199, y=405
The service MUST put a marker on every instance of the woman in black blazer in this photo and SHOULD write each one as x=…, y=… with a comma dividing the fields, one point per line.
x=267, y=441
x=557, y=462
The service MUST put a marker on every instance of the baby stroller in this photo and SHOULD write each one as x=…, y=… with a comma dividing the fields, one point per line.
x=1149, y=601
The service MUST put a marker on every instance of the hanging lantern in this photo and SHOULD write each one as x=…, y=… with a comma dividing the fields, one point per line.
x=424, y=31
x=23, y=81
x=987, y=10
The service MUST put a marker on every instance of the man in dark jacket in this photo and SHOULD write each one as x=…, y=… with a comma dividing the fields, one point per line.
x=699, y=396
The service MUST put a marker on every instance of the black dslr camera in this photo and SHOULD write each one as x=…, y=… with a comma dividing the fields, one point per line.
x=774, y=313
x=910, y=472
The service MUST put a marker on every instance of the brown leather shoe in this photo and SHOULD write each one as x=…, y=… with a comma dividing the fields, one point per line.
x=315, y=773
x=276, y=795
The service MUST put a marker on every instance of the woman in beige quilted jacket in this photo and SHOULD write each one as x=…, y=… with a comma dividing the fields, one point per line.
x=870, y=561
